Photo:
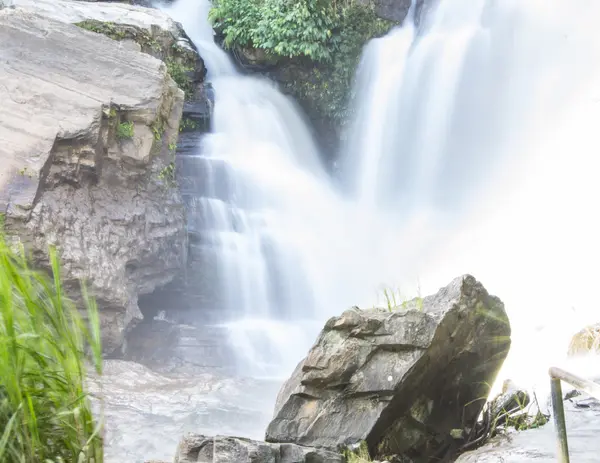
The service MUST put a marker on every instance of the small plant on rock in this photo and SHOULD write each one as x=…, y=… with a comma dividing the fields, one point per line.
x=167, y=174
x=125, y=130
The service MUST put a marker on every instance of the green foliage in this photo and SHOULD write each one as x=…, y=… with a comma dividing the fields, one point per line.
x=125, y=130
x=45, y=414
x=395, y=301
x=360, y=455
x=236, y=20
x=188, y=124
x=112, y=30
x=282, y=27
x=331, y=34
x=328, y=88
x=167, y=174
x=179, y=73
x=158, y=128
x=298, y=28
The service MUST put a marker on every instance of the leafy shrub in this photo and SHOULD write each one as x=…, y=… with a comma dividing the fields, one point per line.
x=282, y=27
x=45, y=415
x=331, y=34
x=179, y=73
x=297, y=28
x=236, y=20
x=125, y=130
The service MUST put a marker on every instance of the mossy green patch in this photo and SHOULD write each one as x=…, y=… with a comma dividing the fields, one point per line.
x=125, y=130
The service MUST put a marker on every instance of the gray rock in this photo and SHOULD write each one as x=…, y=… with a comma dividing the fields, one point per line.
x=195, y=448
x=67, y=179
x=401, y=380
x=396, y=10
x=71, y=11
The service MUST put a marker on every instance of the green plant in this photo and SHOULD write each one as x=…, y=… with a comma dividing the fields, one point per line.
x=328, y=86
x=360, y=455
x=331, y=34
x=179, y=73
x=158, y=129
x=167, y=174
x=172, y=147
x=395, y=301
x=112, y=30
x=125, y=130
x=236, y=20
x=187, y=124
x=45, y=414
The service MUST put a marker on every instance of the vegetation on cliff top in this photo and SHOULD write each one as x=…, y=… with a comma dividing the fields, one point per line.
x=329, y=33
x=45, y=414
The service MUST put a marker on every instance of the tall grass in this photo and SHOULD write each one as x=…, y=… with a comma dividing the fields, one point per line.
x=45, y=414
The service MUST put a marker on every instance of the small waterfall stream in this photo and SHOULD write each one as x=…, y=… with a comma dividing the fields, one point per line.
x=258, y=196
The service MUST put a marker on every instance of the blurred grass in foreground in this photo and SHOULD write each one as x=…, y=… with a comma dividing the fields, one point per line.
x=45, y=345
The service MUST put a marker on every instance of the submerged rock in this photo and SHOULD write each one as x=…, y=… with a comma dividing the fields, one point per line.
x=87, y=129
x=195, y=448
x=403, y=380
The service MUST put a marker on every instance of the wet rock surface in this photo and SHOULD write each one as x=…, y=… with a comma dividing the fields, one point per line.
x=401, y=380
x=540, y=445
x=224, y=449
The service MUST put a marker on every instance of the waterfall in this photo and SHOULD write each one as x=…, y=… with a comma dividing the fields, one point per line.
x=474, y=150
x=263, y=211
x=477, y=141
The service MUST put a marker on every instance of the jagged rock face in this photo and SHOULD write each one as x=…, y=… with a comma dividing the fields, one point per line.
x=401, y=380
x=87, y=129
x=396, y=10
x=201, y=449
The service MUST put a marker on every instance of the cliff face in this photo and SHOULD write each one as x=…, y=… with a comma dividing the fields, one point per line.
x=88, y=128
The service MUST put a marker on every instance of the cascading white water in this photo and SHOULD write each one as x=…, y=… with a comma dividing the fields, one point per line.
x=477, y=138
x=472, y=152
x=266, y=211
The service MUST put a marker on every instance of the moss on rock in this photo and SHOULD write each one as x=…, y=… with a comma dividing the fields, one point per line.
x=183, y=63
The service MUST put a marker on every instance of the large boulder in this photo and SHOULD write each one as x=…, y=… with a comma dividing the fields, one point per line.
x=87, y=135
x=402, y=380
x=196, y=448
x=148, y=30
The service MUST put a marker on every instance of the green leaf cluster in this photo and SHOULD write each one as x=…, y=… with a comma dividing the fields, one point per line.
x=45, y=414
x=330, y=34
x=288, y=28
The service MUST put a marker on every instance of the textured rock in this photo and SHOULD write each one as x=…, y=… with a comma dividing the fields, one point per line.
x=149, y=30
x=68, y=179
x=396, y=10
x=401, y=380
x=540, y=445
x=195, y=448
x=71, y=11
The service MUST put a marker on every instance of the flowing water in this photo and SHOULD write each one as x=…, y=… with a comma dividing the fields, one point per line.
x=484, y=152
x=475, y=150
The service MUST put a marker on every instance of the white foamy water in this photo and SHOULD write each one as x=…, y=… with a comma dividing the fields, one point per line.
x=266, y=210
x=484, y=155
